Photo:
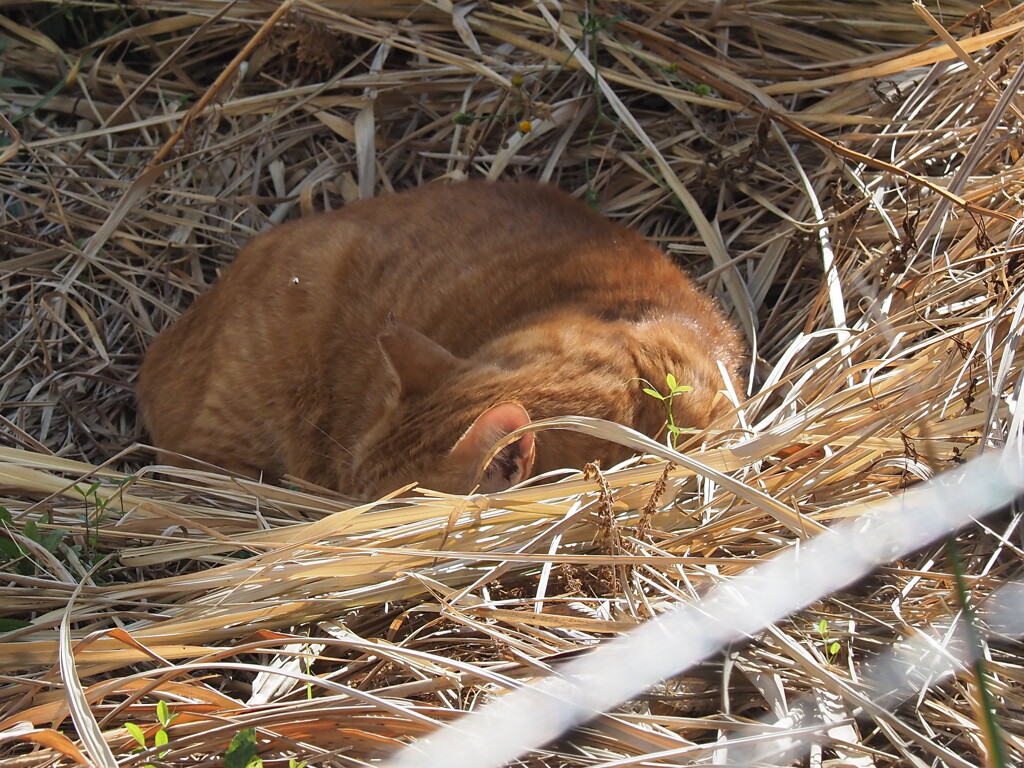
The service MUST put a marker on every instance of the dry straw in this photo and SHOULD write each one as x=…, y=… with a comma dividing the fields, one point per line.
x=845, y=177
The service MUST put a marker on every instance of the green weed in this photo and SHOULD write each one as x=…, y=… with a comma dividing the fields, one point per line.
x=93, y=518
x=160, y=738
x=242, y=752
x=831, y=647
x=12, y=552
x=674, y=390
x=991, y=732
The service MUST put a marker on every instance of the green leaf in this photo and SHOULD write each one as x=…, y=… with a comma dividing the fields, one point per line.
x=242, y=750
x=671, y=380
x=136, y=733
x=161, y=738
x=32, y=531
x=9, y=625
x=10, y=550
x=163, y=713
x=834, y=648
x=13, y=82
x=51, y=541
x=653, y=393
x=823, y=628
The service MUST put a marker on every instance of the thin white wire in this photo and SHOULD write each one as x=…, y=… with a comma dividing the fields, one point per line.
x=921, y=662
x=528, y=718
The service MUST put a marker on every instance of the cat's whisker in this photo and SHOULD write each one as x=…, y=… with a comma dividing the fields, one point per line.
x=328, y=436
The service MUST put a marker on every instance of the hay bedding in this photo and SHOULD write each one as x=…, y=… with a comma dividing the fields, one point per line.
x=846, y=176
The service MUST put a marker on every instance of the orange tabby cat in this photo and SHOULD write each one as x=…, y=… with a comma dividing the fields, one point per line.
x=510, y=301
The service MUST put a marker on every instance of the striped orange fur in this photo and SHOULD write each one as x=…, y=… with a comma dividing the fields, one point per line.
x=397, y=339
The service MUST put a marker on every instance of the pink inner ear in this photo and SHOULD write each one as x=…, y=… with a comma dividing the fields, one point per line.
x=513, y=462
x=503, y=418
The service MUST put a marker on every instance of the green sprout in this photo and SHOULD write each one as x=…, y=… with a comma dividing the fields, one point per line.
x=831, y=646
x=674, y=389
x=160, y=738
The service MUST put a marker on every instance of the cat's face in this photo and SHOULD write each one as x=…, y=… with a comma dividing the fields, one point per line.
x=432, y=429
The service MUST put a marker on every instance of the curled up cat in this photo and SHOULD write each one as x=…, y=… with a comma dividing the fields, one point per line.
x=398, y=339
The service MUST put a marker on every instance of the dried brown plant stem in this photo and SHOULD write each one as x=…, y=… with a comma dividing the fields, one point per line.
x=229, y=71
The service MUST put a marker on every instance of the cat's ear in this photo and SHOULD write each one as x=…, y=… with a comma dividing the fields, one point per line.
x=418, y=362
x=513, y=462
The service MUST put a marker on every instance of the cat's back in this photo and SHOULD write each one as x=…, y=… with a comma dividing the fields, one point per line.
x=459, y=262
x=445, y=229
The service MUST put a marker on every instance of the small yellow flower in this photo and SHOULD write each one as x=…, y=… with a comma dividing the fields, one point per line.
x=525, y=126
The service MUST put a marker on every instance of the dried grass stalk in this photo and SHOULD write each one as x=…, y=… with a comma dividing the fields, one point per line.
x=844, y=176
